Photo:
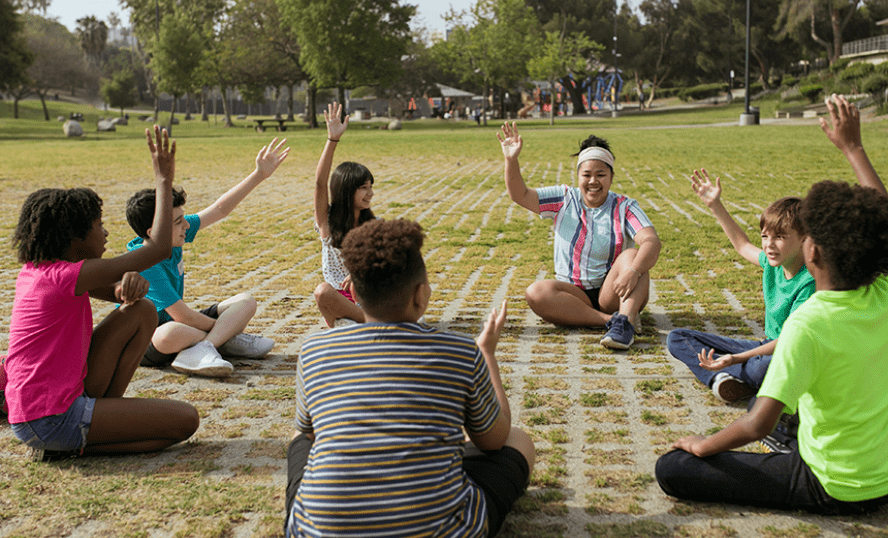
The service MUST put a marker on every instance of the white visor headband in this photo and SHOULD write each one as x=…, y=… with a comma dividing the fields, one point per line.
x=596, y=153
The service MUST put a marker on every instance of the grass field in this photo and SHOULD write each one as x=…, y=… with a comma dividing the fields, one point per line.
x=599, y=418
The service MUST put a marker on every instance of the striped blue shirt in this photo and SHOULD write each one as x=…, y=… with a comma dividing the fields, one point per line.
x=387, y=404
x=589, y=239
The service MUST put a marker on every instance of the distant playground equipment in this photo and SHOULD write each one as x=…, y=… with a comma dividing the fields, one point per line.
x=607, y=89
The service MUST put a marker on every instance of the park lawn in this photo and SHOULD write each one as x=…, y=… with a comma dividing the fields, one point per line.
x=599, y=418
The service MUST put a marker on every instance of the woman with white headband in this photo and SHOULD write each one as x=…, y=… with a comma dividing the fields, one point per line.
x=600, y=278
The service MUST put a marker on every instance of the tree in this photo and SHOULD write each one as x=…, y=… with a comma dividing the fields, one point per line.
x=177, y=56
x=796, y=13
x=14, y=54
x=350, y=43
x=120, y=90
x=32, y=6
x=491, y=44
x=560, y=55
x=668, y=48
x=58, y=62
x=92, y=34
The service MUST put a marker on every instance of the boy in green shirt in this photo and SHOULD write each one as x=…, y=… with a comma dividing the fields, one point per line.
x=827, y=366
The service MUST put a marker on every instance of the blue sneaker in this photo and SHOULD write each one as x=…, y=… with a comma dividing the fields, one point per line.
x=620, y=333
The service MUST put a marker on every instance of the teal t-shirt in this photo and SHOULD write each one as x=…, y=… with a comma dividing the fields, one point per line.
x=782, y=296
x=830, y=365
x=167, y=278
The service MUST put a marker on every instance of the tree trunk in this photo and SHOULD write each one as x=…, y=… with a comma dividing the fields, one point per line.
x=486, y=102
x=172, y=114
x=340, y=95
x=204, y=116
x=576, y=95
x=156, y=106
x=311, y=107
x=290, y=102
x=226, y=108
x=43, y=102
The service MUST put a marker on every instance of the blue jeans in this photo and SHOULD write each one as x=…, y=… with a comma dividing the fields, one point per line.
x=685, y=344
x=63, y=432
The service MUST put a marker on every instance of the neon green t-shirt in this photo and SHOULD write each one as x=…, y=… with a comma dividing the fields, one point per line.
x=782, y=296
x=830, y=364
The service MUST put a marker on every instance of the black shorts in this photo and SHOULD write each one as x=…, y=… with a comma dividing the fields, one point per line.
x=156, y=359
x=502, y=476
x=593, y=296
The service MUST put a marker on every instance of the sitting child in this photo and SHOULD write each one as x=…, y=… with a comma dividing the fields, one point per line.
x=741, y=364
x=827, y=366
x=599, y=278
x=66, y=378
x=381, y=408
x=194, y=341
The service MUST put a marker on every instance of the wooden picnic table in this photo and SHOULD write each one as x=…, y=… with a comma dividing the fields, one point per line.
x=282, y=124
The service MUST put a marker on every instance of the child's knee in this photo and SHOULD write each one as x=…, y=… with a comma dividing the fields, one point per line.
x=323, y=292
x=189, y=421
x=535, y=294
x=141, y=312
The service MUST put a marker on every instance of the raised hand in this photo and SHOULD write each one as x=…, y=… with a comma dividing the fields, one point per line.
x=163, y=154
x=704, y=188
x=270, y=157
x=493, y=327
x=510, y=140
x=845, y=118
x=131, y=288
x=709, y=362
x=335, y=127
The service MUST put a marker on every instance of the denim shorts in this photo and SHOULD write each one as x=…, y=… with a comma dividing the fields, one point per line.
x=64, y=432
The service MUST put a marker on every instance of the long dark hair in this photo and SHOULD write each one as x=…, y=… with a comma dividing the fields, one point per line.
x=344, y=183
x=52, y=219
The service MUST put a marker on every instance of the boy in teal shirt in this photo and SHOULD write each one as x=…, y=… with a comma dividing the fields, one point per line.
x=194, y=341
x=828, y=366
x=734, y=368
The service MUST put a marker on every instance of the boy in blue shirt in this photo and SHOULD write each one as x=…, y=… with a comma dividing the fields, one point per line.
x=194, y=341
x=740, y=365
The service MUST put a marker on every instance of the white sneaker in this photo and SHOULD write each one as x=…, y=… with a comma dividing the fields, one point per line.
x=248, y=346
x=202, y=359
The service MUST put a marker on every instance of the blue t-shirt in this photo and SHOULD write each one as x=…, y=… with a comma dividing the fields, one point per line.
x=167, y=278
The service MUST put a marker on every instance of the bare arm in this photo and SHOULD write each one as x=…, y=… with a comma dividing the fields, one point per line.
x=267, y=161
x=335, y=130
x=182, y=313
x=845, y=134
x=496, y=437
x=709, y=362
x=649, y=247
x=519, y=193
x=710, y=194
x=750, y=427
x=99, y=273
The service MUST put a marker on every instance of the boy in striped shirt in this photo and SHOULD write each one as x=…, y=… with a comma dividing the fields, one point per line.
x=382, y=407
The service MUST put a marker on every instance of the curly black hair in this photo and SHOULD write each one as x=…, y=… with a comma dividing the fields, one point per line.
x=52, y=219
x=345, y=181
x=850, y=226
x=384, y=261
x=140, y=209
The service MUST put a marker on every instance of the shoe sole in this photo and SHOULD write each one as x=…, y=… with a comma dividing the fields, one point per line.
x=207, y=371
x=773, y=446
x=246, y=355
x=609, y=342
x=732, y=390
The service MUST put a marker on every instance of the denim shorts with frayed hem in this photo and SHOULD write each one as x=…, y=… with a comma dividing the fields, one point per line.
x=62, y=432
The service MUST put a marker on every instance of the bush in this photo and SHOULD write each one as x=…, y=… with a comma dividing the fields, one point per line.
x=856, y=71
x=789, y=80
x=875, y=85
x=702, y=91
x=839, y=65
x=811, y=91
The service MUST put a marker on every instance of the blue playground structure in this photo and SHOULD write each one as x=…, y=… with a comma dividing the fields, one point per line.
x=607, y=88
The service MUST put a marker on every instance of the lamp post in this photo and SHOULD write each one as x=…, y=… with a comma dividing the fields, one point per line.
x=748, y=117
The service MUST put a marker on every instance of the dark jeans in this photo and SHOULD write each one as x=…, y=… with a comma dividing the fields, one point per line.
x=685, y=344
x=782, y=481
x=502, y=476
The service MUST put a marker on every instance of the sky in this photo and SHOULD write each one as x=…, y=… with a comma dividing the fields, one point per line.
x=428, y=15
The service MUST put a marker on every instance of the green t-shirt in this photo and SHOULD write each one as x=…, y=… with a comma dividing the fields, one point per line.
x=830, y=364
x=782, y=296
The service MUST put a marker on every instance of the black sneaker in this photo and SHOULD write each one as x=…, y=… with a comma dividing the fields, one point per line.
x=773, y=446
x=41, y=454
x=620, y=333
